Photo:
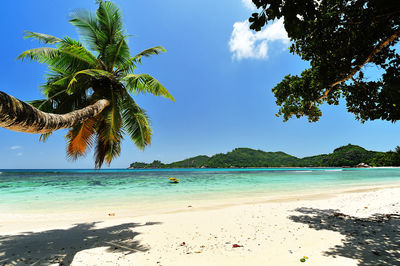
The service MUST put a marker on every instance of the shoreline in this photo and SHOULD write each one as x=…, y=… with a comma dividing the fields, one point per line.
x=272, y=232
x=198, y=168
x=123, y=210
x=206, y=200
x=214, y=200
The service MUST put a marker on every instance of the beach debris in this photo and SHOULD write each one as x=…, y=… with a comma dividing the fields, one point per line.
x=303, y=259
x=202, y=246
x=111, y=214
x=183, y=244
x=377, y=253
x=236, y=246
x=366, y=207
x=189, y=206
x=197, y=251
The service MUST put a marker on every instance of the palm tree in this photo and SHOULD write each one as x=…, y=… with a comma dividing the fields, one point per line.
x=99, y=78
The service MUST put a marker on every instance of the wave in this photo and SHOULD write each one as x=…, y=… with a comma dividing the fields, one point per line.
x=303, y=171
x=334, y=170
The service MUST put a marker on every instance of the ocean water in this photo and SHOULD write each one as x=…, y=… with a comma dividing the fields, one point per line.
x=28, y=190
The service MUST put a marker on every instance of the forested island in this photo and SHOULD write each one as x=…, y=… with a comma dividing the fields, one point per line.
x=345, y=156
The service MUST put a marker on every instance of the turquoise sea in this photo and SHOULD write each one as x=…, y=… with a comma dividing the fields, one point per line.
x=28, y=190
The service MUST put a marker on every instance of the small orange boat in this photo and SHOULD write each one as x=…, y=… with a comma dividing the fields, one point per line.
x=173, y=180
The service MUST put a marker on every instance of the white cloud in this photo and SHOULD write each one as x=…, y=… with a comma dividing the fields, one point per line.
x=245, y=43
x=15, y=147
x=19, y=154
x=249, y=4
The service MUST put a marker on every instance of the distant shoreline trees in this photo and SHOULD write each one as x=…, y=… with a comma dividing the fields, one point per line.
x=345, y=156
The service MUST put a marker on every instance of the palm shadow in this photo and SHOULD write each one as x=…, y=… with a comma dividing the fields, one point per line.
x=372, y=241
x=61, y=245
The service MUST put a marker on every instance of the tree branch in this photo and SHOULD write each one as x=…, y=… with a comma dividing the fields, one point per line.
x=376, y=50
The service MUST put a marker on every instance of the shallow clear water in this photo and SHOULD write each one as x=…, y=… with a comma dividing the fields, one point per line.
x=43, y=189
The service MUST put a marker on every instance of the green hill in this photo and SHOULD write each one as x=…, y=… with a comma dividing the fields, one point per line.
x=345, y=156
x=245, y=157
x=349, y=155
x=194, y=162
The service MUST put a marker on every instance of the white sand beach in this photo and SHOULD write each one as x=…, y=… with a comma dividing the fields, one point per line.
x=360, y=227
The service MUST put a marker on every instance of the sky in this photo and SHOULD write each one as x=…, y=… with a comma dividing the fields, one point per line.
x=219, y=72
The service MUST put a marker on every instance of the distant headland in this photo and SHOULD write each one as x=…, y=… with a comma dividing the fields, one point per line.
x=345, y=156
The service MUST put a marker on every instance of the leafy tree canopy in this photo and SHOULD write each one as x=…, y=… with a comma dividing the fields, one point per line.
x=339, y=38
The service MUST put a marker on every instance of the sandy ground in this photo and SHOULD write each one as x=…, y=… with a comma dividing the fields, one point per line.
x=357, y=228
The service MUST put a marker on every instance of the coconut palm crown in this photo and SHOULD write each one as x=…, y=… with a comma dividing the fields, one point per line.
x=80, y=76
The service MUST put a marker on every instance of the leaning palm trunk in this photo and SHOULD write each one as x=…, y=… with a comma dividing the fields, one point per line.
x=19, y=116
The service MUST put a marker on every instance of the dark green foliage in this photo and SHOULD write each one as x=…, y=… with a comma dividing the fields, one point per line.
x=338, y=38
x=157, y=164
x=244, y=157
x=154, y=164
x=349, y=155
x=194, y=162
x=312, y=161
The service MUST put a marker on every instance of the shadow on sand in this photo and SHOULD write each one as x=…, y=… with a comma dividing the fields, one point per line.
x=372, y=241
x=61, y=245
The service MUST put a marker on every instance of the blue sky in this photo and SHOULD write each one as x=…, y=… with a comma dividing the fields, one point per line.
x=219, y=72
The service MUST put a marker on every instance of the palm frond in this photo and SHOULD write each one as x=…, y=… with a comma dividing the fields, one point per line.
x=42, y=54
x=45, y=136
x=128, y=66
x=113, y=120
x=109, y=133
x=77, y=51
x=110, y=21
x=106, y=148
x=57, y=81
x=138, y=83
x=80, y=138
x=88, y=29
x=100, y=151
x=148, y=52
x=68, y=55
x=136, y=122
x=94, y=73
x=41, y=37
x=117, y=54
x=60, y=102
x=45, y=105
x=114, y=150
